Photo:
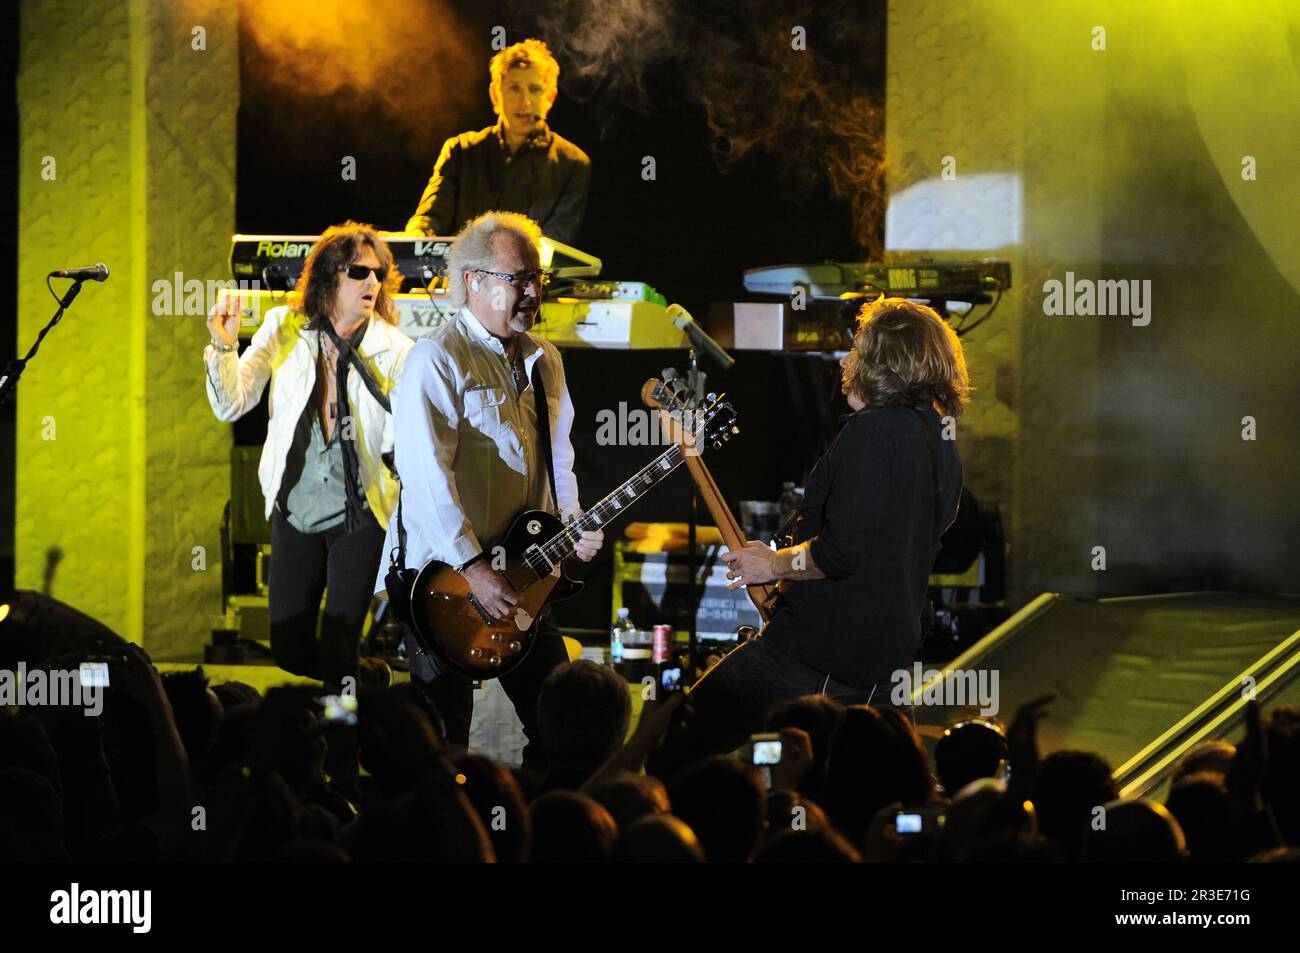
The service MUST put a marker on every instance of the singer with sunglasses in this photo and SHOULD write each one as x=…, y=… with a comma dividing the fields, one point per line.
x=471, y=453
x=332, y=357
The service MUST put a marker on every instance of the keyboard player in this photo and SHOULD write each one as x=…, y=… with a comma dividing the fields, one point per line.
x=518, y=165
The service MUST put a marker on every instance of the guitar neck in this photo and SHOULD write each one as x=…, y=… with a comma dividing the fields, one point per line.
x=562, y=545
x=732, y=535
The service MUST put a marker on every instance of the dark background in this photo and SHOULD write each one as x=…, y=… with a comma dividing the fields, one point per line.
x=690, y=233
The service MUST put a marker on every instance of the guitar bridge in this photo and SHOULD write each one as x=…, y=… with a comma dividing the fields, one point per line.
x=482, y=613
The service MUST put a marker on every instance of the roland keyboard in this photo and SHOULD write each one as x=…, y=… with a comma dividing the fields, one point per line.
x=276, y=261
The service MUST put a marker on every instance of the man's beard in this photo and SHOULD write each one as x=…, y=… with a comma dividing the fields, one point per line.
x=524, y=314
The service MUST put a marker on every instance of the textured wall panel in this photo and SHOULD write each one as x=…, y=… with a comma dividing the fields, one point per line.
x=1111, y=434
x=142, y=128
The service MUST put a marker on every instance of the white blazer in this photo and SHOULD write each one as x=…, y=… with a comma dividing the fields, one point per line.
x=284, y=352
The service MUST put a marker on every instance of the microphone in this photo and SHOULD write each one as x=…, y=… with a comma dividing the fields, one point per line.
x=94, y=273
x=699, y=337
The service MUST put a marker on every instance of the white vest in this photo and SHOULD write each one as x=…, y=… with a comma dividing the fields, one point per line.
x=284, y=352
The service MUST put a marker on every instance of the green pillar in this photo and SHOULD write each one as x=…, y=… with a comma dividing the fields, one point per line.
x=127, y=156
x=1153, y=143
x=992, y=101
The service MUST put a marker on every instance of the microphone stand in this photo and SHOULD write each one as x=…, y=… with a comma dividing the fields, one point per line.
x=14, y=370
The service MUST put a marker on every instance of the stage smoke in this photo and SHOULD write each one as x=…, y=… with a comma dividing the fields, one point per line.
x=763, y=86
x=412, y=59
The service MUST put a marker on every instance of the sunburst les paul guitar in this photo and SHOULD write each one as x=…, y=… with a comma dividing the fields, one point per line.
x=448, y=621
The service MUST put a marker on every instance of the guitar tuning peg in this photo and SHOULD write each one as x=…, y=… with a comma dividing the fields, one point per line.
x=710, y=397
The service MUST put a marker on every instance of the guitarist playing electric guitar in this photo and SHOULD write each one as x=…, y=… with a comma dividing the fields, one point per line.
x=471, y=456
x=853, y=586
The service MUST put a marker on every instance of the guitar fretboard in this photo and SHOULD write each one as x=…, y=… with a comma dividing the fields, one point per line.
x=562, y=545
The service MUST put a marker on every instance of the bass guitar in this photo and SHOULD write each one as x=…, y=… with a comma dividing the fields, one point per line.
x=671, y=399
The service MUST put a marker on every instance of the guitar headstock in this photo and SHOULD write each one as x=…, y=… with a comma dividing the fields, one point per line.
x=692, y=423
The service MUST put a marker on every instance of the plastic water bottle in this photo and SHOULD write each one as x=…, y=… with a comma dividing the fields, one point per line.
x=622, y=626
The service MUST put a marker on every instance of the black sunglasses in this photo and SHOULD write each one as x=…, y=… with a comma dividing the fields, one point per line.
x=362, y=272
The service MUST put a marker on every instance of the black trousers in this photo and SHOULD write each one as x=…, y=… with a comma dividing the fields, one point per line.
x=732, y=699
x=341, y=565
x=454, y=695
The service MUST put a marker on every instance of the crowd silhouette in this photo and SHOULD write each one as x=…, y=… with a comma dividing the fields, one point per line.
x=175, y=769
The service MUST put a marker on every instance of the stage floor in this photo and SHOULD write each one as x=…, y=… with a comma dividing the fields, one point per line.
x=1141, y=678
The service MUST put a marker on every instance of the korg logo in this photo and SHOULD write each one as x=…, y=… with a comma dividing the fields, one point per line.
x=284, y=249
x=902, y=277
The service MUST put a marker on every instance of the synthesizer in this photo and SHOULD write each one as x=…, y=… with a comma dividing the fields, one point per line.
x=954, y=280
x=276, y=261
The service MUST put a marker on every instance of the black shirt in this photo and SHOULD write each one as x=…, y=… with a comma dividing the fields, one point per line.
x=869, y=510
x=547, y=179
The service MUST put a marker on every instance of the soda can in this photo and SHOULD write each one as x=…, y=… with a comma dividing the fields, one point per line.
x=663, y=644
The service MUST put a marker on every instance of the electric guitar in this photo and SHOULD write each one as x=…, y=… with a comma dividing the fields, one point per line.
x=672, y=399
x=451, y=625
